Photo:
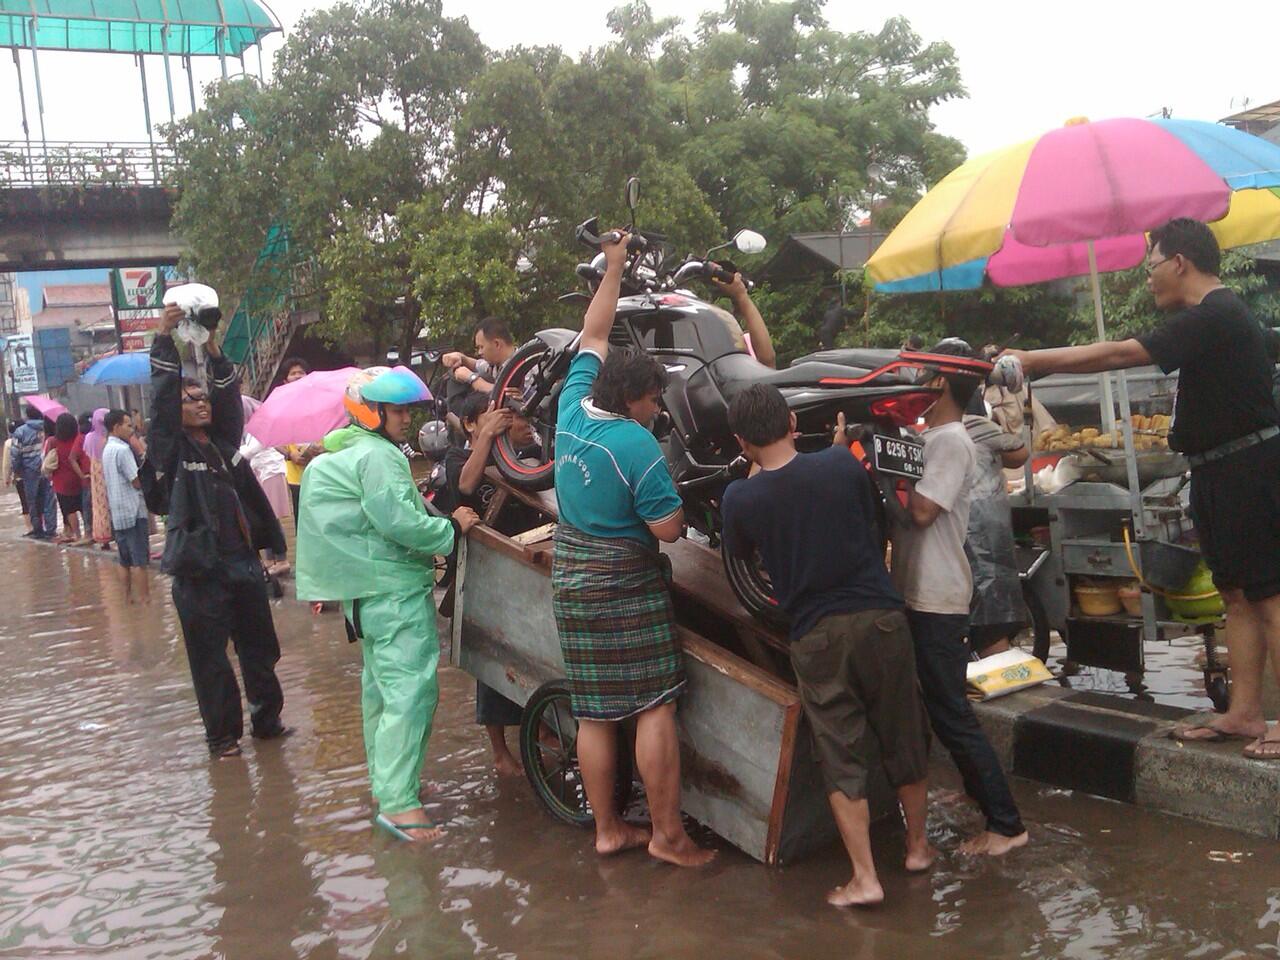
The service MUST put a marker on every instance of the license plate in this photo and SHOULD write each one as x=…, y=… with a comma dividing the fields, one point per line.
x=898, y=457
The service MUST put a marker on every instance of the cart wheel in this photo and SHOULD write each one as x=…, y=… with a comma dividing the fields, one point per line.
x=1039, y=626
x=550, y=756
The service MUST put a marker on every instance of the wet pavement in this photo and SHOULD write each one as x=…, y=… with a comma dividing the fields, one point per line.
x=122, y=839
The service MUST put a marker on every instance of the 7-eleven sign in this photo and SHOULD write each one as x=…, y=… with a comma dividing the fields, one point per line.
x=137, y=287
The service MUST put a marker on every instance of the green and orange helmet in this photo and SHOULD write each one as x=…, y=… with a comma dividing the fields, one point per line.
x=369, y=389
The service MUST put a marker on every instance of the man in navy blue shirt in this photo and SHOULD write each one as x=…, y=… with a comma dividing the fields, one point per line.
x=812, y=519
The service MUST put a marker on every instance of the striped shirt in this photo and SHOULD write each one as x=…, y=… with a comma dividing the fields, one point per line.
x=119, y=468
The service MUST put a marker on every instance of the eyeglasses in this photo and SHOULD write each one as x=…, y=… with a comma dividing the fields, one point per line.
x=1151, y=267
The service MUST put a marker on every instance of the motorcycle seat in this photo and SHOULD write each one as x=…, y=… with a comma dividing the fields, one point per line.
x=735, y=371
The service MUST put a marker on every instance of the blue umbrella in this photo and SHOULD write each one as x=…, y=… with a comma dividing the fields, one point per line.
x=124, y=369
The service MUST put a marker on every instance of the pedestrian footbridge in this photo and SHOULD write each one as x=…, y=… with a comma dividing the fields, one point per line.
x=85, y=205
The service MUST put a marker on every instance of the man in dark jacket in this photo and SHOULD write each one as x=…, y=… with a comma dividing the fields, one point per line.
x=218, y=519
x=28, y=454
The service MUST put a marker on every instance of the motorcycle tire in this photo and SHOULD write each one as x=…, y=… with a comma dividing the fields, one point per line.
x=514, y=469
x=746, y=578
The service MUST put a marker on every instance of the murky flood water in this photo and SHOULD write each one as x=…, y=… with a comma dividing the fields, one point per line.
x=122, y=839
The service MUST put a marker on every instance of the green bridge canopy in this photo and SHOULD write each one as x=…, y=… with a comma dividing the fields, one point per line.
x=134, y=26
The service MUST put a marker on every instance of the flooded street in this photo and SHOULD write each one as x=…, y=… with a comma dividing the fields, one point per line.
x=122, y=839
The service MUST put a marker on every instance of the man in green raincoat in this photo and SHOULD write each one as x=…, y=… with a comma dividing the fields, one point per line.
x=365, y=538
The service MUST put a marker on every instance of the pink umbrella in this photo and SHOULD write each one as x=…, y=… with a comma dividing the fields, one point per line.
x=50, y=408
x=302, y=411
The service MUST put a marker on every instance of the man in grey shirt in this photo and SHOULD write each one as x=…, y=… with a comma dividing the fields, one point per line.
x=932, y=572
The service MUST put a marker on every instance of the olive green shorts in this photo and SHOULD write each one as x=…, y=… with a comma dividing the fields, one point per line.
x=856, y=673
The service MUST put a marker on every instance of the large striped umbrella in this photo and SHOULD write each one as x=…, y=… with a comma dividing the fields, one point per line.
x=1080, y=200
x=1045, y=208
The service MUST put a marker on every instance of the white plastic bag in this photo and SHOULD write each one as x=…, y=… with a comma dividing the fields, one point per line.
x=192, y=298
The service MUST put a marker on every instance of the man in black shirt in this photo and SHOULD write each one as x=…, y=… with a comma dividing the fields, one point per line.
x=1226, y=421
x=812, y=518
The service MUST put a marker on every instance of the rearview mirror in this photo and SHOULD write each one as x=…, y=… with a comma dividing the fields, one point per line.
x=633, y=195
x=748, y=241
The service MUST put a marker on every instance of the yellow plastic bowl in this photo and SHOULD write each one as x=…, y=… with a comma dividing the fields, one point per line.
x=1097, y=601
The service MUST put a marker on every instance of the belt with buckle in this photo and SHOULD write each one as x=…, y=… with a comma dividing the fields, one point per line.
x=1233, y=446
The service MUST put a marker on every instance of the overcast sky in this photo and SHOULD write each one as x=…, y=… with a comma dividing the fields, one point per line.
x=1028, y=66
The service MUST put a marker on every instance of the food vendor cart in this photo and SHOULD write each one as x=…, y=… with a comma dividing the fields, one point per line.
x=1107, y=510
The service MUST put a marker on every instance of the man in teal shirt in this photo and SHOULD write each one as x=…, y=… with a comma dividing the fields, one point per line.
x=609, y=591
x=365, y=538
x=611, y=477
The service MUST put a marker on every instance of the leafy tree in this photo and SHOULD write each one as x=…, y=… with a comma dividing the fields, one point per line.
x=229, y=182
x=462, y=265
x=357, y=122
x=783, y=117
x=536, y=147
x=416, y=169
x=788, y=126
x=1129, y=310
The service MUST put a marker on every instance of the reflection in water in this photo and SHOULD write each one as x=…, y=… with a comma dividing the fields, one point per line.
x=121, y=838
x=249, y=843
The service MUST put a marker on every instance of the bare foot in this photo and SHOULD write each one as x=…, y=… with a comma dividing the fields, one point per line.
x=417, y=834
x=627, y=837
x=1223, y=728
x=993, y=844
x=507, y=766
x=857, y=893
x=683, y=853
x=918, y=861
x=1263, y=748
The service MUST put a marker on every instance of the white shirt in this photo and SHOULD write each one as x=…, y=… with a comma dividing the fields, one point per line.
x=929, y=564
x=119, y=468
x=266, y=462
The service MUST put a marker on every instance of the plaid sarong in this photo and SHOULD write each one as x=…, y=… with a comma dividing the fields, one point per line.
x=616, y=623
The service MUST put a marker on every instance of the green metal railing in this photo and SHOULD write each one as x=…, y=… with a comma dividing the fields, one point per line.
x=265, y=318
x=71, y=164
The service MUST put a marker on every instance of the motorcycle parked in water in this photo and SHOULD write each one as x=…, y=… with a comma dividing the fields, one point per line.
x=703, y=350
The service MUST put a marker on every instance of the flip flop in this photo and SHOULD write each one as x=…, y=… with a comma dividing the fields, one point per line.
x=1216, y=735
x=397, y=830
x=1272, y=754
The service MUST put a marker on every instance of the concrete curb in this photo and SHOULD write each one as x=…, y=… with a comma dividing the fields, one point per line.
x=1120, y=749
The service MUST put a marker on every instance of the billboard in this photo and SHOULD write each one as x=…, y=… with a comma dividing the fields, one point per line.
x=137, y=288
x=20, y=361
x=140, y=322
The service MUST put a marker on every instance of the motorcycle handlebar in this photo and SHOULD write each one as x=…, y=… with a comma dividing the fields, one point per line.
x=636, y=243
x=706, y=268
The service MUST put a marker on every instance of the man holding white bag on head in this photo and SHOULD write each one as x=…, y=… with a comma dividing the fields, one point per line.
x=218, y=518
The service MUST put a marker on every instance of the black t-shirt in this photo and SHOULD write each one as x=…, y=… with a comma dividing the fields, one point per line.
x=515, y=517
x=1224, y=383
x=813, y=522
x=455, y=458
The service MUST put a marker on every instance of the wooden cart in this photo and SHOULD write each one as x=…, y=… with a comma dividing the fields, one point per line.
x=747, y=765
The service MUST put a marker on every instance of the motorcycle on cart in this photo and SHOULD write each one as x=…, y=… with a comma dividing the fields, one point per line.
x=708, y=363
